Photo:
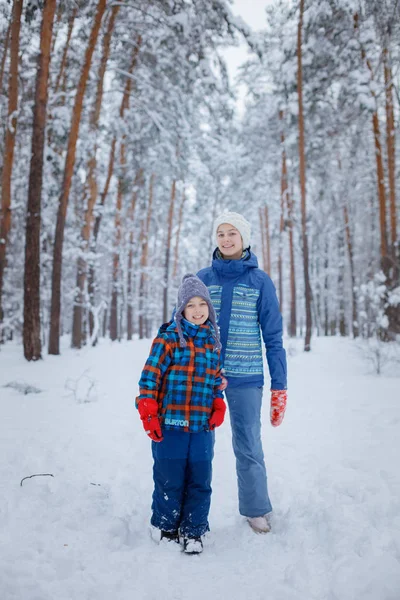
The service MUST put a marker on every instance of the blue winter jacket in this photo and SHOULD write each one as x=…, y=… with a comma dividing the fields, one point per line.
x=245, y=301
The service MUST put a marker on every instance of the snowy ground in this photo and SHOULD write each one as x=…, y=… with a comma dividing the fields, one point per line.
x=334, y=481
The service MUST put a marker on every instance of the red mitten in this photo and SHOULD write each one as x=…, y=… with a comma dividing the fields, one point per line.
x=278, y=406
x=148, y=411
x=217, y=414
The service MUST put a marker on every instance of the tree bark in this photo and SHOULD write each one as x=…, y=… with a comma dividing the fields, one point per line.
x=81, y=278
x=293, y=303
x=139, y=182
x=63, y=65
x=262, y=235
x=283, y=201
x=4, y=57
x=302, y=166
x=352, y=272
x=54, y=336
x=144, y=261
x=391, y=150
x=9, y=142
x=267, y=240
x=31, y=327
x=178, y=233
x=120, y=194
x=168, y=252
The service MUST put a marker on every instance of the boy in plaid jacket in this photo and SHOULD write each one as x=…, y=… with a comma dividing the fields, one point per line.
x=180, y=405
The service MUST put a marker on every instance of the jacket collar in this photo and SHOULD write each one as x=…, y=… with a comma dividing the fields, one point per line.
x=234, y=268
x=191, y=330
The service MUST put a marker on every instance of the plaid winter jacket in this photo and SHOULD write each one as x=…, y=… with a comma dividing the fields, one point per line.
x=184, y=381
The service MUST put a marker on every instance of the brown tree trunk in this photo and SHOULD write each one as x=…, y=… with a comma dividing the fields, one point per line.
x=144, y=262
x=63, y=65
x=120, y=194
x=117, y=244
x=302, y=166
x=380, y=173
x=139, y=182
x=263, y=236
x=283, y=202
x=267, y=240
x=178, y=233
x=391, y=150
x=341, y=291
x=54, y=336
x=4, y=57
x=9, y=142
x=96, y=229
x=293, y=303
x=352, y=272
x=166, y=314
x=31, y=327
x=79, y=301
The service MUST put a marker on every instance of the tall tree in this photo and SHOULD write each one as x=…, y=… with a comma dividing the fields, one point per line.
x=54, y=337
x=9, y=141
x=92, y=190
x=302, y=167
x=31, y=328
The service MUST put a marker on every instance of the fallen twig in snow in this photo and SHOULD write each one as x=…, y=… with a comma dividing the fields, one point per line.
x=36, y=475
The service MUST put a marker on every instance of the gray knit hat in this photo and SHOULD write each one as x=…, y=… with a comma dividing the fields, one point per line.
x=190, y=287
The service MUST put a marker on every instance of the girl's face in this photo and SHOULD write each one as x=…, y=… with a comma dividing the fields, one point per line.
x=229, y=241
x=196, y=311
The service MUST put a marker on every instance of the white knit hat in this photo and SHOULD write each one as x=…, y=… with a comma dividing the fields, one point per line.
x=238, y=221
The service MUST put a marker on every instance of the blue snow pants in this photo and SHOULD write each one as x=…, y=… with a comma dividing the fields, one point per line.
x=182, y=481
x=245, y=415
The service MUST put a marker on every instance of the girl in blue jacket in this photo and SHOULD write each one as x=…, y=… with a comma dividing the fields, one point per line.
x=247, y=308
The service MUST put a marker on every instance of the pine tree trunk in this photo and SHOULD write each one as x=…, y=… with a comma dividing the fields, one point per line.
x=63, y=65
x=284, y=194
x=341, y=290
x=139, y=182
x=352, y=272
x=31, y=327
x=96, y=230
x=166, y=314
x=4, y=57
x=144, y=262
x=262, y=235
x=267, y=240
x=9, y=142
x=293, y=303
x=178, y=233
x=391, y=150
x=326, y=288
x=302, y=166
x=114, y=314
x=54, y=336
x=117, y=247
x=80, y=300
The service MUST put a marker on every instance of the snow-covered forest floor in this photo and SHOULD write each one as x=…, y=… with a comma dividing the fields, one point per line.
x=334, y=481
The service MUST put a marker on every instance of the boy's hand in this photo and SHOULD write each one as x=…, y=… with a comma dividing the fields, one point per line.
x=148, y=411
x=278, y=406
x=217, y=414
x=224, y=384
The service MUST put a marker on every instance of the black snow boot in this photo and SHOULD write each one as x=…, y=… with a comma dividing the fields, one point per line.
x=193, y=545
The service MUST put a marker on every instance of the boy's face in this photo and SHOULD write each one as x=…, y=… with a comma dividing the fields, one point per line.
x=229, y=241
x=196, y=311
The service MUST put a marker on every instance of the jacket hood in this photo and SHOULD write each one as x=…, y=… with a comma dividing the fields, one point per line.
x=235, y=267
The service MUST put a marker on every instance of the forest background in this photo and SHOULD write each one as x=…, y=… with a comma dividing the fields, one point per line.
x=121, y=140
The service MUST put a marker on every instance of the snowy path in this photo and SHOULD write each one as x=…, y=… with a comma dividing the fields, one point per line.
x=334, y=481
